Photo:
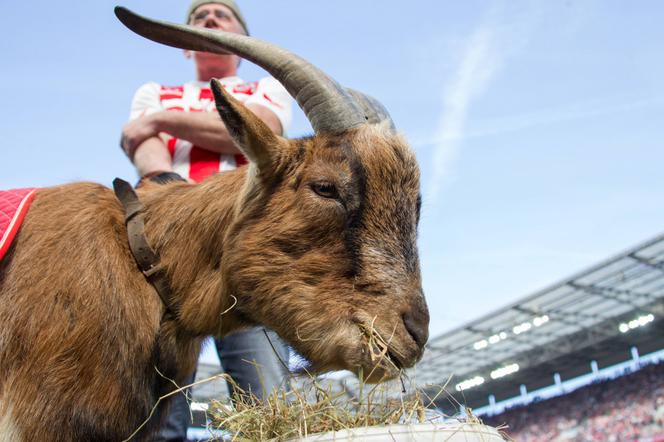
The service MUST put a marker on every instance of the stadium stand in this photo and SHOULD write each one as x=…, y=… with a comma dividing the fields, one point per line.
x=628, y=408
x=607, y=314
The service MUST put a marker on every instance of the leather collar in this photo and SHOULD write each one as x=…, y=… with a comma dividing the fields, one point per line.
x=146, y=258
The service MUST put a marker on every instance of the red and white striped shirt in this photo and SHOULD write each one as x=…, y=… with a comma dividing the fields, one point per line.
x=192, y=161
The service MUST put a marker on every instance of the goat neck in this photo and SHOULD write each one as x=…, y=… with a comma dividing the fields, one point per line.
x=186, y=224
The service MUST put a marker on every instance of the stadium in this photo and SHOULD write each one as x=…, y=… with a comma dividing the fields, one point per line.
x=582, y=360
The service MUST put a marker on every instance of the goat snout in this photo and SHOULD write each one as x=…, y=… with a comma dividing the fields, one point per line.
x=417, y=324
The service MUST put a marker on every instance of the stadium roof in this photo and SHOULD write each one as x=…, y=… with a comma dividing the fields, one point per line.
x=558, y=329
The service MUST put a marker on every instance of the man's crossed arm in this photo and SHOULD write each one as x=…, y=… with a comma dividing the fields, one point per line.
x=148, y=152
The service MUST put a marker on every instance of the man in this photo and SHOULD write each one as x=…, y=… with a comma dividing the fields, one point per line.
x=175, y=133
x=161, y=140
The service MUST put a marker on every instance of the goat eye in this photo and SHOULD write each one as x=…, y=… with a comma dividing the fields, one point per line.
x=325, y=189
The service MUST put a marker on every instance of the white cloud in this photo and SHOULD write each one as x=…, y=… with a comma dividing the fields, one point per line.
x=485, y=52
x=478, y=65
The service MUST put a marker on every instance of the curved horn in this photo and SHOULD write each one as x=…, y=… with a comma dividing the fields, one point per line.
x=328, y=106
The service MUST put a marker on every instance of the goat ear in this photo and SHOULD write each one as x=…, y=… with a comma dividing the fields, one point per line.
x=251, y=135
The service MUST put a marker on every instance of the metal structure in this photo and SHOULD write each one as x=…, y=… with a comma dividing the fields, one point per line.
x=598, y=315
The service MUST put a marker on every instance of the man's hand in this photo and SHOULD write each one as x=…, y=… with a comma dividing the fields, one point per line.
x=136, y=132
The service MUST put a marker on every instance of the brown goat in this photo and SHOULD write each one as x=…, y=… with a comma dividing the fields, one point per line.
x=315, y=239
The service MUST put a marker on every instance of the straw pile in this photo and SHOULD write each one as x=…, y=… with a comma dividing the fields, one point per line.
x=310, y=407
x=314, y=408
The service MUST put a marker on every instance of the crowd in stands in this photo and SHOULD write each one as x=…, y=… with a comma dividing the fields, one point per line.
x=629, y=408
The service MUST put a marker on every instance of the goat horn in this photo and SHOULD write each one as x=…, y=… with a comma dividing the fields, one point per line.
x=328, y=106
x=373, y=109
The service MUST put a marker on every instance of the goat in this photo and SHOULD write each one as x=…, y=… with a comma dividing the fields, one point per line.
x=315, y=239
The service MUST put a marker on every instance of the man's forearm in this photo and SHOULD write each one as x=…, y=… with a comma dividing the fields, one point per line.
x=202, y=129
x=206, y=130
x=152, y=156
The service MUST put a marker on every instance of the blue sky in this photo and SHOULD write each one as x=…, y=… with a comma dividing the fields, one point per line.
x=537, y=124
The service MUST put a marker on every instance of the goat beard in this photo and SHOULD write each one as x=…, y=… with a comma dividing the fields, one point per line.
x=349, y=342
x=321, y=345
x=346, y=344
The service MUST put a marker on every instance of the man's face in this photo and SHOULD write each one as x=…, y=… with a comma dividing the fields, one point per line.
x=216, y=16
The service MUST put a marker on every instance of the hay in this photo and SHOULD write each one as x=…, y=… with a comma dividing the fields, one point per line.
x=301, y=412
x=310, y=408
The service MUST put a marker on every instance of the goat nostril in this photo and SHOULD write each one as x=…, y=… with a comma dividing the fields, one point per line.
x=419, y=334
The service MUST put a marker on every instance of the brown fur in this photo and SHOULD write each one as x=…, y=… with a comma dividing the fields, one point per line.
x=81, y=329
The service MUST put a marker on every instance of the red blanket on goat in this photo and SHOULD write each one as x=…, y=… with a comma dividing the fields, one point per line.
x=13, y=207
